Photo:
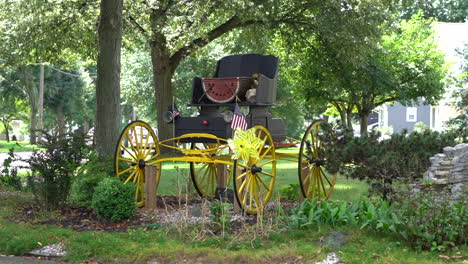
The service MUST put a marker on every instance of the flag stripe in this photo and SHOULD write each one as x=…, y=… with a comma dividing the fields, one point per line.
x=238, y=119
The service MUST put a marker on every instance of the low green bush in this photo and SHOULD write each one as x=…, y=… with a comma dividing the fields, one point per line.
x=425, y=220
x=432, y=221
x=291, y=192
x=87, y=178
x=52, y=169
x=114, y=200
x=403, y=157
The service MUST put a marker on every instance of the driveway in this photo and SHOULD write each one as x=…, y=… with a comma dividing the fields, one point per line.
x=18, y=155
x=25, y=260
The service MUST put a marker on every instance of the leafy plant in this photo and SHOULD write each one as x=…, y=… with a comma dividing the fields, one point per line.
x=114, y=200
x=8, y=174
x=52, y=169
x=291, y=192
x=87, y=178
x=432, y=221
x=220, y=214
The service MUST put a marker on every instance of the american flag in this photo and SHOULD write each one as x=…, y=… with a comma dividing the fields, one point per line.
x=238, y=119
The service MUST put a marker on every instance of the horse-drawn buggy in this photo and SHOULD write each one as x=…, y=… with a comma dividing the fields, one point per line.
x=247, y=81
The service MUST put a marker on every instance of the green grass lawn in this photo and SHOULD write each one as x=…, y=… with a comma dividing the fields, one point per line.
x=271, y=242
x=16, y=145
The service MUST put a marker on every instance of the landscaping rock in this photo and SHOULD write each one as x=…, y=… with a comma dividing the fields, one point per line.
x=449, y=169
x=51, y=251
x=332, y=258
x=335, y=239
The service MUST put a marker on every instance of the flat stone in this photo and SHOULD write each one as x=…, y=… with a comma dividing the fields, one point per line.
x=442, y=173
x=332, y=258
x=335, y=239
x=53, y=251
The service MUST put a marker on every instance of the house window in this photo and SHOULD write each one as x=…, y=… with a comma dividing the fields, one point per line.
x=411, y=114
x=433, y=117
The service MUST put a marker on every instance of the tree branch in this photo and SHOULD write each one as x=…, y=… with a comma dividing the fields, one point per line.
x=138, y=26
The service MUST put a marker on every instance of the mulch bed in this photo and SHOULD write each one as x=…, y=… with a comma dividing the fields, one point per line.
x=170, y=208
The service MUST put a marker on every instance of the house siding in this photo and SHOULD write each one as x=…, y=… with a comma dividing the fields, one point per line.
x=397, y=116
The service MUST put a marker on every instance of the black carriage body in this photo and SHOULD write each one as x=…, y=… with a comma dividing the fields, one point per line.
x=211, y=120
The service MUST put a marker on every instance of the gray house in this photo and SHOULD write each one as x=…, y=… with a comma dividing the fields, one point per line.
x=450, y=37
x=401, y=117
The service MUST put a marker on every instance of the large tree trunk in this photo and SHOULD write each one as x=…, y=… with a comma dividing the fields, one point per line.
x=32, y=125
x=364, y=116
x=60, y=120
x=7, y=129
x=162, y=76
x=41, y=98
x=349, y=117
x=32, y=94
x=108, y=77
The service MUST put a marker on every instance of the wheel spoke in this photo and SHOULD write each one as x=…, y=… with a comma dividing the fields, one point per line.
x=260, y=180
x=265, y=163
x=126, y=160
x=137, y=176
x=325, y=176
x=126, y=170
x=130, y=177
x=133, y=147
x=128, y=151
x=266, y=173
x=266, y=152
x=242, y=186
x=241, y=175
x=247, y=191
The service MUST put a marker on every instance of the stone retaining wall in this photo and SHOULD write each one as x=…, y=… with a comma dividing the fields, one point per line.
x=450, y=169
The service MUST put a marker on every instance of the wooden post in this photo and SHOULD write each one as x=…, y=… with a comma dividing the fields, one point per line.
x=151, y=186
x=221, y=178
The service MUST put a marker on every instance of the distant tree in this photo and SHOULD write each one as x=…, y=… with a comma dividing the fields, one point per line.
x=460, y=97
x=402, y=65
x=11, y=108
x=442, y=10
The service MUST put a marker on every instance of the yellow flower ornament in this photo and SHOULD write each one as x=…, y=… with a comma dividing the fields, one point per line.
x=245, y=144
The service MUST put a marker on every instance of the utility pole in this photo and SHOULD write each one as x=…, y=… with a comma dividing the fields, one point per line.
x=41, y=99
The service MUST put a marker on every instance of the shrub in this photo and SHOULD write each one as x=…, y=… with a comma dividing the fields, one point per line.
x=403, y=157
x=114, y=200
x=291, y=192
x=87, y=178
x=432, y=221
x=424, y=220
x=52, y=169
x=8, y=174
x=220, y=214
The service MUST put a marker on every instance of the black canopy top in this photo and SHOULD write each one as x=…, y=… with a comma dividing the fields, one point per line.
x=247, y=64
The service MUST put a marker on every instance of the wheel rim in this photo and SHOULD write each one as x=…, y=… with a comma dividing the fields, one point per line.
x=315, y=181
x=137, y=147
x=204, y=174
x=254, y=179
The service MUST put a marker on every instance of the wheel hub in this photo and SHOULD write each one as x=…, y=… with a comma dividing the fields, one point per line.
x=141, y=164
x=318, y=162
x=256, y=169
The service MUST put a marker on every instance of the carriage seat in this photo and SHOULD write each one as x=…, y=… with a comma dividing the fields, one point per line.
x=244, y=66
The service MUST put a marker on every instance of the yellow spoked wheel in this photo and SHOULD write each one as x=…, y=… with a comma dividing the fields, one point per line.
x=204, y=174
x=137, y=146
x=315, y=181
x=254, y=178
